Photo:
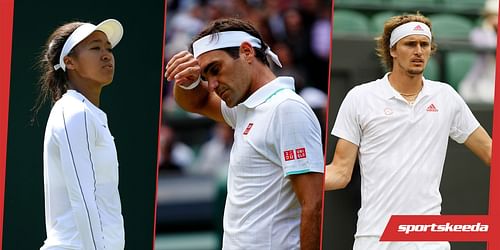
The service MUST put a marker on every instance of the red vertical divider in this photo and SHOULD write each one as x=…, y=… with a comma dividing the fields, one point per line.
x=160, y=118
x=494, y=209
x=6, y=23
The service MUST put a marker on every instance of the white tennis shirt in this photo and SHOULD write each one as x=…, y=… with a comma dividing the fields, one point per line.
x=82, y=204
x=276, y=134
x=402, y=147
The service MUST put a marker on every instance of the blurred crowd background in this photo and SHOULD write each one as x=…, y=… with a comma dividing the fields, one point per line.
x=194, y=151
x=465, y=31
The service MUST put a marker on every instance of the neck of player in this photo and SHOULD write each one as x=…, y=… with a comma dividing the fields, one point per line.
x=261, y=76
x=91, y=90
x=405, y=83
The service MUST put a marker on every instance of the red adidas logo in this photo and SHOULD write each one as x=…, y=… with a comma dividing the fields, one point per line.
x=432, y=108
x=418, y=28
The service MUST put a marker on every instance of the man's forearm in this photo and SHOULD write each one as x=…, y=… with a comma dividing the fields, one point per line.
x=191, y=100
x=310, y=225
x=335, y=178
x=479, y=142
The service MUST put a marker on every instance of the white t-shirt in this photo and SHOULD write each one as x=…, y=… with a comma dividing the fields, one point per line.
x=276, y=134
x=373, y=243
x=402, y=147
x=82, y=204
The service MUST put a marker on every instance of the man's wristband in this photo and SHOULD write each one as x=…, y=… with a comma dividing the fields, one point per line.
x=192, y=85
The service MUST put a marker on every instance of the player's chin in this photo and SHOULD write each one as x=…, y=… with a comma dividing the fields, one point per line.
x=230, y=104
x=227, y=98
x=416, y=71
x=107, y=81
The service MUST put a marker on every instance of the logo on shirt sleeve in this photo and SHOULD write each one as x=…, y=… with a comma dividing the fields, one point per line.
x=298, y=153
x=289, y=155
x=301, y=153
x=247, y=130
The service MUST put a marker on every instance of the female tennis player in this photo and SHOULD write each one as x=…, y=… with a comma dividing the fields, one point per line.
x=82, y=203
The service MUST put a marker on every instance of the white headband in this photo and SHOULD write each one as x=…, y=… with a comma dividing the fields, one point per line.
x=111, y=27
x=228, y=39
x=407, y=29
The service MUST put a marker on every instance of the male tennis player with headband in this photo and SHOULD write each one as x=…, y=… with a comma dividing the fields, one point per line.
x=276, y=166
x=399, y=126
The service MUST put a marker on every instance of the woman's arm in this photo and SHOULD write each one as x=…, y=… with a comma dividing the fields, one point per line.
x=77, y=136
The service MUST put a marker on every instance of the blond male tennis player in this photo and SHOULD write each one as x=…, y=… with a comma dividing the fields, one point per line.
x=399, y=126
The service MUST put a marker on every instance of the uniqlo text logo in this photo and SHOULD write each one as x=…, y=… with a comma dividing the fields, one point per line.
x=250, y=125
x=289, y=155
x=301, y=153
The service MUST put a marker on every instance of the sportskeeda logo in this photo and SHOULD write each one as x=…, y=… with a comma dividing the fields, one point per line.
x=437, y=228
x=443, y=228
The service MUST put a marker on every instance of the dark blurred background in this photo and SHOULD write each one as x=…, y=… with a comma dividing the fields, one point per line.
x=132, y=103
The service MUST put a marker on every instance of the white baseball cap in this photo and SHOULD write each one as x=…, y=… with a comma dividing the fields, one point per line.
x=111, y=27
x=491, y=7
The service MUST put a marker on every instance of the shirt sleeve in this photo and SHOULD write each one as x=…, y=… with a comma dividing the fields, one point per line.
x=463, y=121
x=347, y=124
x=77, y=139
x=229, y=114
x=297, y=136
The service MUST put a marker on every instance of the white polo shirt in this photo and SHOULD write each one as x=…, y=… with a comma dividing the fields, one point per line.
x=276, y=134
x=82, y=204
x=402, y=147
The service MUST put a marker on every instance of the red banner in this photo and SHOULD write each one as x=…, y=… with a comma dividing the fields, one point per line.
x=437, y=228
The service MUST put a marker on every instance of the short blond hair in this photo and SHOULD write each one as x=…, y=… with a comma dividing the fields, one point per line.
x=383, y=47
